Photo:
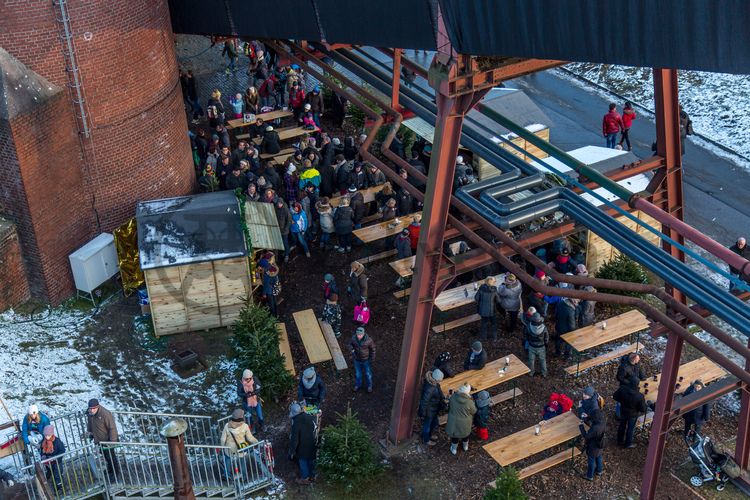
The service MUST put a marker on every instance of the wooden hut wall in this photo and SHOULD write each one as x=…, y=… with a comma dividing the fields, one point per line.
x=599, y=251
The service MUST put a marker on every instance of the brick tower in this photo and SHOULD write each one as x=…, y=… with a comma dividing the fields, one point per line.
x=65, y=186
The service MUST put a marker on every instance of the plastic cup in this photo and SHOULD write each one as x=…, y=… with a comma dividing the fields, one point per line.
x=507, y=360
x=537, y=429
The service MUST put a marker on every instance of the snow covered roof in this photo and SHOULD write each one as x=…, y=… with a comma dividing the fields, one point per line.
x=21, y=89
x=599, y=158
x=634, y=184
x=189, y=229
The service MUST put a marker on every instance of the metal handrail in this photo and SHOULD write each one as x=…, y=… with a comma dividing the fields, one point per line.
x=71, y=475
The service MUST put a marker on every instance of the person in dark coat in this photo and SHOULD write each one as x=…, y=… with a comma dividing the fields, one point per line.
x=357, y=177
x=585, y=312
x=630, y=372
x=343, y=168
x=270, y=280
x=311, y=389
x=327, y=180
x=302, y=443
x=272, y=177
x=327, y=152
x=694, y=419
x=589, y=402
x=357, y=202
x=476, y=358
x=363, y=354
x=403, y=245
x=236, y=180
x=536, y=300
x=374, y=176
x=343, y=222
x=271, y=142
x=632, y=405
x=350, y=148
x=594, y=444
x=51, y=447
x=564, y=263
x=357, y=282
x=404, y=199
x=101, y=426
x=565, y=319
x=284, y=218
x=536, y=338
x=418, y=165
x=431, y=402
x=397, y=146
x=487, y=300
x=740, y=248
x=442, y=363
x=482, y=416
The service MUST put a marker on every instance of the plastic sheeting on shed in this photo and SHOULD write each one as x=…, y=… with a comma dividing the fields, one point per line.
x=685, y=34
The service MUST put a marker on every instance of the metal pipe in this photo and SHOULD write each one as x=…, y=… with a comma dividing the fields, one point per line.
x=174, y=431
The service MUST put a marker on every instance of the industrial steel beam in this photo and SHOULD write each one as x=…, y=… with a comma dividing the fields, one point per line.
x=668, y=147
x=742, y=444
x=396, y=83
x=479, y=80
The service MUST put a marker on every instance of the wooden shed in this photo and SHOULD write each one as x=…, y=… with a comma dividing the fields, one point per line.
x=194, y=258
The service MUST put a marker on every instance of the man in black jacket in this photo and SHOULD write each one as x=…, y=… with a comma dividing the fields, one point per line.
x=594, y=438
x=740, y=248
x=487, y=300
x=430, y=404
x=284, y=218
x=694, y=419
x=302, y=443
x=476, y=358
x=630, y=371
x=632, y=405
x=270, y=143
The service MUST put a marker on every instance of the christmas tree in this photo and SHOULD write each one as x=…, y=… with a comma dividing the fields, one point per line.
x=256, y=345
x=507, y=487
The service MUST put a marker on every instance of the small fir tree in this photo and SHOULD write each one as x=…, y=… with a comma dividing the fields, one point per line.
x=622, y=268
x=256, y=346
x=347, y=454
x=507, y=487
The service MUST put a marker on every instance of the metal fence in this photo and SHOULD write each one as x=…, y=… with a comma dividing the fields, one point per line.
x=72, y=475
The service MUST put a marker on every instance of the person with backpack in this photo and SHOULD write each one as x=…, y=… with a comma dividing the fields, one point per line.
x=632, y=405
x=487, y=299
x=594, y=438
x=589, y=402
x=236, y=436
x=461, y=411
x=363, y=354
x=536, y=338
x=431, y=402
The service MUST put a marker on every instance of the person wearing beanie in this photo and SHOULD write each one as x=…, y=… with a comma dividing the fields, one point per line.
x=594, y=438
x=363, y=354
x=476, y=358
x=482, y=416
x=329, y=286
x=303, y=443
x=403, y=245
x=563, y=263
x=431, y=402
x=236, y=436
x=343, y=223
x=33, y=424
x=51, y=447
x=461, y=411
x=536, y=300
x=271, y=143
x=510, y=299
x=442, y=363
x=311, y=389
x=101, y=427
x=589, y=402
x=248, y=390
x=271, y=286
x=536, y=338
x=332, y=314
x=487, y=301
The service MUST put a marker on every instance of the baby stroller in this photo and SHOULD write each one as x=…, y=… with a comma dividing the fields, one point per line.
x=714, y=466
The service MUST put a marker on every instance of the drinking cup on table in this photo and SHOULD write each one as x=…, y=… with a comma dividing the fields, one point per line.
x=476, y=286
x=604, y=325
x=681, y=379
x=507, y=360
x=537, y=429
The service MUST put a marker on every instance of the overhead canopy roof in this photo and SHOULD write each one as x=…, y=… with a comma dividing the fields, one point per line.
x=687, y=34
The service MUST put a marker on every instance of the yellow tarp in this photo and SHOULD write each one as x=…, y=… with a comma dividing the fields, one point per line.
x=126, y=244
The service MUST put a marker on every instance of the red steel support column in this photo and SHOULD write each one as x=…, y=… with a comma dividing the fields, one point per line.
x=396, y=84
x=448, y=125
x=668, y=147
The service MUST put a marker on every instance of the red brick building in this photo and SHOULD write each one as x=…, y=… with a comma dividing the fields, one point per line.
x=62, y=187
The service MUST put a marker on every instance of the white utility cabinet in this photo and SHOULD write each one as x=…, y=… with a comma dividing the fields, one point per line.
x=94, y=263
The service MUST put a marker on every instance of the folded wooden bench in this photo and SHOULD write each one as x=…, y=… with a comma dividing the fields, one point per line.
x=600, y=360
x=285, y=349
x=312, y=336
x=545, y=464
x=494, y=400
x=450, y=325
x=333, y=345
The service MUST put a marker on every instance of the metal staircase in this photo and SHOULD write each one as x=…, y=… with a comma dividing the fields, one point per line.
x=144, y=470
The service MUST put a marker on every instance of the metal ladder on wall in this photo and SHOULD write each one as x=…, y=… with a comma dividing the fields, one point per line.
x=144, y=468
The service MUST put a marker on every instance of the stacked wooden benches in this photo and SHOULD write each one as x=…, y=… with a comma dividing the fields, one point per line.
x=319, y=340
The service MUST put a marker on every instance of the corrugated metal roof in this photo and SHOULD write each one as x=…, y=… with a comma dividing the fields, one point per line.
x=263, y=226
x=189, y=229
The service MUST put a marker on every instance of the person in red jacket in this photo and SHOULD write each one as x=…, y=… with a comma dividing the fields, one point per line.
x=612, y=125
x=414, y=228
x=628, y=115
x=296, y=99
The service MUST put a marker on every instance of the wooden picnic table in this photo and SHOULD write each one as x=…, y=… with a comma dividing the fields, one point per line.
x=617, y=327
x=488, y=376
x=312, y=336
x=701, y=368
x=462, y=295
x=266, y=117
x=384, y=229
x=524, y=443
x=287, y=133
x=368, y=195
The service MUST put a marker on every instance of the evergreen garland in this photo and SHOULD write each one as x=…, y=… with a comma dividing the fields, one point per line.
x=507, y=487
x=347, y=454
x=256, y=346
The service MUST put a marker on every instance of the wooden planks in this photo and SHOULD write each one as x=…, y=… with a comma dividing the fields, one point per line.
x=404, y=267
x=266, y=117
x=488, y=376
x=549, y=462
x=288, y=133
x=494, y=400
x=460, y=296
x=232, y=278
x=285, y=349
x=263, y=225
x=333, y=345
x=268, y=156
x=600, y=251
x=384, y=229
x=377, y=256
x=372, y=218
x=312, y=337
x=604, y=358
x=525, y=443
x=617, y=327
x=456, y=323
x=368, y=195
x=199, y=288
x=701, y=368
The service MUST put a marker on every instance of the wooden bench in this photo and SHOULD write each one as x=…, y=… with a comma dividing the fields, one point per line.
x=312, y=336
x=494, y=400
x=402, y=293
x=268, y=156
x=371, y=218
x=576, y=369
x=545, y=464
x=286, y=351
x=450, y=325
x=377, y=256
x=333, y=345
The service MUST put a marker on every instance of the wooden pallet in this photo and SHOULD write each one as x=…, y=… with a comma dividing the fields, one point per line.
x=312, y=336
x=285, y=349
x=494, y=400
x=450, y=325
x=604, y=358
x=333, y=345
x=377, y=256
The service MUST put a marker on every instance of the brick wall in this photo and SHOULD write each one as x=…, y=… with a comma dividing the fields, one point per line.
x=14, y=287
x=138, y=148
